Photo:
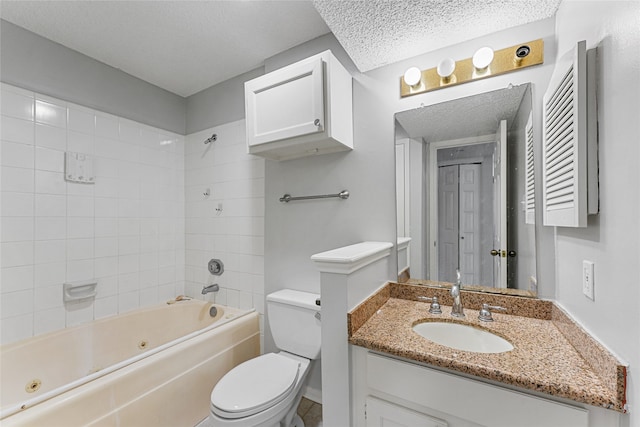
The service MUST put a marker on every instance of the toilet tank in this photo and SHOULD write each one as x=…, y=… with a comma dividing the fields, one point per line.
x=294, y=323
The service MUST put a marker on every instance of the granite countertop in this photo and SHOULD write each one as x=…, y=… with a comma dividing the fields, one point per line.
x=543, y=358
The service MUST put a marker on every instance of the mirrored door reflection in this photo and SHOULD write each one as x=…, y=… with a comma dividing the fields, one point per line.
x=465, y=198
x=460, y=190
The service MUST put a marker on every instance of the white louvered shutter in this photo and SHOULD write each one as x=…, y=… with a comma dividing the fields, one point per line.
x=530, y=187
x=564, y=148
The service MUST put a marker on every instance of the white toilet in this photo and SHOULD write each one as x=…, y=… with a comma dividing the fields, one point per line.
x=265, y=391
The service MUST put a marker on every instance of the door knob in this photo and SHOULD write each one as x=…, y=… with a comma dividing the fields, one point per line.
x=494, y=252
x=512, y=254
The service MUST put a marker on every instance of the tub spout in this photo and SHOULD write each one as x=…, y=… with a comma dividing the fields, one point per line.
x=210, y=288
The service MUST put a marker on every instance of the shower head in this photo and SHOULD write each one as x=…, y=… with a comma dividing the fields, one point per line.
x=213, y=138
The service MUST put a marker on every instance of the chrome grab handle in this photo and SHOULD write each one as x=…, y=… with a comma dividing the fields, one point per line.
x=344, y=194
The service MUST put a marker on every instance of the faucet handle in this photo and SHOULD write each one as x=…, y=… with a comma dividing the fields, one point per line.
x=435, y=305
x=485, y=313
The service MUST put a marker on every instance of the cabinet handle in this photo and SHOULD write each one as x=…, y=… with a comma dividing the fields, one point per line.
x=316, y=122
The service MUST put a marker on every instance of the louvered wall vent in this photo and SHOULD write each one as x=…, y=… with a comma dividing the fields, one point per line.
x=530, y=188
x=568, y=123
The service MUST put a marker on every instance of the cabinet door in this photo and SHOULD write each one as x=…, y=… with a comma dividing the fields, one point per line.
x=385, y=414
x=286, y=103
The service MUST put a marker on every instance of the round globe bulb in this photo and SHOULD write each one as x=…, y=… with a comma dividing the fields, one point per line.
x=482, y=58
x=412, y=76
x=446, y=67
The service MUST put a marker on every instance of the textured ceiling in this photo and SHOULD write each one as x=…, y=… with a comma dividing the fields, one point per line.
x=465, y=117
x=181, y=46
x=380, y=32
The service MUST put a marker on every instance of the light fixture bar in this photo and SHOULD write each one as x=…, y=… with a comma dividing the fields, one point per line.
x=506, y=60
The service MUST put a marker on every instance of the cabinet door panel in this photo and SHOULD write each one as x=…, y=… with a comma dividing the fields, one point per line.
x=286, y=103
x=385, y=414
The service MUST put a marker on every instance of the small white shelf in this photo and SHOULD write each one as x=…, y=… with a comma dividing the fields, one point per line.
x=351, y=258
x=79, y=291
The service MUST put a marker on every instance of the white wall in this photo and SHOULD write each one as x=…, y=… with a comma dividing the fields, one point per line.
x=126, y=230
x=33, y=62
x=236, y=233
x=611, y=238
x=219, y=104
x=295, y=231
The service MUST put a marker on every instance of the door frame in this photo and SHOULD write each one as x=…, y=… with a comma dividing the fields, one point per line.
x=433, y=191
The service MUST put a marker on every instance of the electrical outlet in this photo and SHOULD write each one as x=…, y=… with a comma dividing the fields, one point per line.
x=588, y=279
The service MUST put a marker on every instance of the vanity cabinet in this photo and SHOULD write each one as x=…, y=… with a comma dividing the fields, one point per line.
x=391, y=391
x=300, y=110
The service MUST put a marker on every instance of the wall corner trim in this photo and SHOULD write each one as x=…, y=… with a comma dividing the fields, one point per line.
x=349, y=259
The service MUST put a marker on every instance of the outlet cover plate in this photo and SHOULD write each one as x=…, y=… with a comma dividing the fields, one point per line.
x=588, y=279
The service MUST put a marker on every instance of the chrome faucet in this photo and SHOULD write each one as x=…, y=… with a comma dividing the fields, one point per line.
x=210, y=288
x=457, y=309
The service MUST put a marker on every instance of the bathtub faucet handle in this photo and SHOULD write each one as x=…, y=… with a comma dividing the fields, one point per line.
x=211, y=288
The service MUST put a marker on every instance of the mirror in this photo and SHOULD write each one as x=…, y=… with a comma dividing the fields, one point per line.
x=464, y=197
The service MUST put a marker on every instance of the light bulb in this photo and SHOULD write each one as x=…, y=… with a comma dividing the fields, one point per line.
x=482, y=58
x=412, y=76
x=446, y=67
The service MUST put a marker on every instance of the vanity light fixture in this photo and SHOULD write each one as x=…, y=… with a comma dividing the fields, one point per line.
x=412, y=76
x=484, y=63
x=482, y=58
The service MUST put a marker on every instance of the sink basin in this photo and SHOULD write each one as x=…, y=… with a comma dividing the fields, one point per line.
x=462, y=337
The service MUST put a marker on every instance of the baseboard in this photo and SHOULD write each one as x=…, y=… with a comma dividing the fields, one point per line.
x=313, y=394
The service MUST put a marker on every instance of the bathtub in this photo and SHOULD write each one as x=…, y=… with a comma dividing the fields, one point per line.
x=153, y=366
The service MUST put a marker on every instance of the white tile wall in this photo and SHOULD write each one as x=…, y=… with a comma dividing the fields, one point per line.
x=236, y=234
x=127, y=230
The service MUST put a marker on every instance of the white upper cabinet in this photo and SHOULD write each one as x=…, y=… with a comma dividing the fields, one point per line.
x=300, y=110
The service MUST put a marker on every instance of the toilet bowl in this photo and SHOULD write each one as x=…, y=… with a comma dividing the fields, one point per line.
x=259, y=392
x=265, y=391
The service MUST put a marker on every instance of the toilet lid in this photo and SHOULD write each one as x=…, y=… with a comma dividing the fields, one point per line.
x=255, y=385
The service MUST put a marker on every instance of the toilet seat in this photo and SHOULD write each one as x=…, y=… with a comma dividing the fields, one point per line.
x=255, y=385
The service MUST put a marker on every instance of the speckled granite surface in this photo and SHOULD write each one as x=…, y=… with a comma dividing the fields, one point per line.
x=483, y=289
x=523, y=306
x=543, y=359
x=603, y=363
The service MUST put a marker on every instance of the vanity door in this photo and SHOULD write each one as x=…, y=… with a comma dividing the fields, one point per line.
x=384, y=414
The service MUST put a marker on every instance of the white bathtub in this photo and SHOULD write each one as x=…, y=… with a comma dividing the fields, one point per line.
x=153, y=366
